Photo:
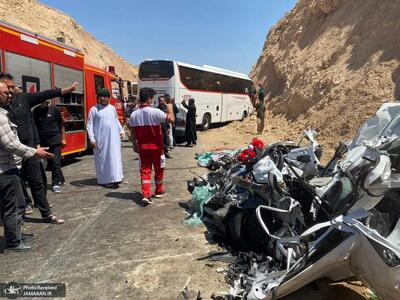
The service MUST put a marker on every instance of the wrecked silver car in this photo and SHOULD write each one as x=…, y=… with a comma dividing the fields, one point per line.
x=286, y=229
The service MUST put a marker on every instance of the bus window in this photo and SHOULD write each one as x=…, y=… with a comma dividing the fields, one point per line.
x=25, y=67
x=208, y=81
x=134, y=86
x=98, y=82
x=157, y=69
x=194, y=79
x=129, y=87
x=211, y=82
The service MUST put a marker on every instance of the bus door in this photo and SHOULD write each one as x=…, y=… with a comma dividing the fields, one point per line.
x=218, y=107
x=215, y=84
x=225, y=108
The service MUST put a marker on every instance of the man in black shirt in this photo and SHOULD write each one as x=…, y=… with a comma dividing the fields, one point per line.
x=51, y=130
x=20, y=114
x=17, y=90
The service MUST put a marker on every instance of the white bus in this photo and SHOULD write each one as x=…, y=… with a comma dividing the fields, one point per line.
x=220, y=95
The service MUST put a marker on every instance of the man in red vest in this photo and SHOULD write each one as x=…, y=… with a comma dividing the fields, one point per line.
x=148, y=142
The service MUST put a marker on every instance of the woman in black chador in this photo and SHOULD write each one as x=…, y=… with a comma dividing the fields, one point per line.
x=190, y=130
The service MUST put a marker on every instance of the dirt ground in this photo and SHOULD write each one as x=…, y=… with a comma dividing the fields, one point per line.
x=239, y=134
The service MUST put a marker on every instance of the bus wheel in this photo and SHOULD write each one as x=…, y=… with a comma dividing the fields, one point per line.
x=244, y=115
x=205, y=124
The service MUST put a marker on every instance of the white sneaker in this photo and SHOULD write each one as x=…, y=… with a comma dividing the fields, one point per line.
x=160, y=195
x=56, y=189
x=146, y=201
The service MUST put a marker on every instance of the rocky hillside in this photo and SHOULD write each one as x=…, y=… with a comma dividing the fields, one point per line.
x=329, y=64
x=51, y=23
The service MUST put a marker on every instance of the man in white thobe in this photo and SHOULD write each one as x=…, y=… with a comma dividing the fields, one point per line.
x=105, y=133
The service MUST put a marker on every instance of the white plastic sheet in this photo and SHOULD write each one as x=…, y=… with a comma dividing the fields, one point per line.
x=263, y=168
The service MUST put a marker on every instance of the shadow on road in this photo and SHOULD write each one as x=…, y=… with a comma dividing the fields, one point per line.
x=326, y=289
x=135, y=196
x=70, y=160
x=85, y=182
x=184, y=205
x=33, y=220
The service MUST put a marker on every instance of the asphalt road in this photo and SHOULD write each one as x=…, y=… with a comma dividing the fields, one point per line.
x=112, y=247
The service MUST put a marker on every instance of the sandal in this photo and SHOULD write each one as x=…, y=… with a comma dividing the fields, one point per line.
x=53, y=219
x=28, y=210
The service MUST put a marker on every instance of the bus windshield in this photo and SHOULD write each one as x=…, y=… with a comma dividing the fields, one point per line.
x=156, y=70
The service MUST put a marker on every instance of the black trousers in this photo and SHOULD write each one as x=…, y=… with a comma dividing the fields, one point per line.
x=165, y=139
x=21, y=201
x=54, y=165
x=174, y=134
x=12, y=203
x=33, y=172
x=25, y=191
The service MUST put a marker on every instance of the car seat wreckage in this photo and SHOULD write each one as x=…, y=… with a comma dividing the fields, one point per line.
x=287, y=220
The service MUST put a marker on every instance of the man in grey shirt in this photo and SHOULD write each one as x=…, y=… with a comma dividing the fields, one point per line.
x=11, y=195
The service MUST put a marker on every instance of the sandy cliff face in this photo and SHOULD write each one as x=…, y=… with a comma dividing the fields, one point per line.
x=51, y=23
x=329, y=64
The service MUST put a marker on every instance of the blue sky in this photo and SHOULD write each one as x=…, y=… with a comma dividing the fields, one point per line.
x=224, y=33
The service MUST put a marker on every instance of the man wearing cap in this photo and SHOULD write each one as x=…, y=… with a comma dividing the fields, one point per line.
x=147, y=140
x=105, y=133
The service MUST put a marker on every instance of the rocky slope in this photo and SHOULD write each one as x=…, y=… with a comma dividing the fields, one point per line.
x=329, y=64
x=28, y=14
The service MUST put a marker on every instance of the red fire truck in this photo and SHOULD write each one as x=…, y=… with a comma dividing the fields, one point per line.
x=38, y=63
